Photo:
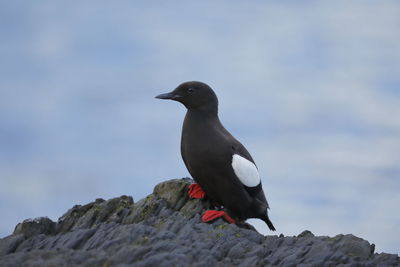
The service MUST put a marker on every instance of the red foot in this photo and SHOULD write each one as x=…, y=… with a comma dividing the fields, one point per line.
x=195, y=191
x=211, y=215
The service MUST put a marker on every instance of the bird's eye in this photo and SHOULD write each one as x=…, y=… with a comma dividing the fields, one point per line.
x=190, y=90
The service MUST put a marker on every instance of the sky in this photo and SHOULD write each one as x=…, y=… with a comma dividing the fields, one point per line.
x=311, y=88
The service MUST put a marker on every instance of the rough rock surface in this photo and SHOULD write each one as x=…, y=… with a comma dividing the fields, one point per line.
x=165, y=229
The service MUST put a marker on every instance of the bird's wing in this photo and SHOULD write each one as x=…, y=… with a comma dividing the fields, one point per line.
x=244, y=166
x=246, y=170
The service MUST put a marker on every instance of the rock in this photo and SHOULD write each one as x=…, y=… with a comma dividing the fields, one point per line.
x=165, y=229
x=306, y=233
x=10, y=243
x=94, y=213
x=32, y=227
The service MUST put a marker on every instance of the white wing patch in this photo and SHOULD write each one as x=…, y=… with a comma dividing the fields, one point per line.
x=245, y=170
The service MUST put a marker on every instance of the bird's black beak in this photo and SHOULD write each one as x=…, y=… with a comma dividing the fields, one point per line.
x=170, y=95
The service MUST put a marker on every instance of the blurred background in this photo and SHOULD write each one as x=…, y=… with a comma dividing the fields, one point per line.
x=311, y=88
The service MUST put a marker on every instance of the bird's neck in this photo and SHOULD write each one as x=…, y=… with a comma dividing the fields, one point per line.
x=205, y=112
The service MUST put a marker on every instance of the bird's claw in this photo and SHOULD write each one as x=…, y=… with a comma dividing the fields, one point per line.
x=211, y=215
x=195, y=191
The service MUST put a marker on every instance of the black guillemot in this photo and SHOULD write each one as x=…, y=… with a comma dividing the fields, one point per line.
x=221, y=166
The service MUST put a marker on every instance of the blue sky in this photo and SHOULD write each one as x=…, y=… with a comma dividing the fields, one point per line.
x=311, y=88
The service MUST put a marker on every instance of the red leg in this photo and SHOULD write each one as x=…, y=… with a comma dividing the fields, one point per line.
x=195, y=191
x=211, y=215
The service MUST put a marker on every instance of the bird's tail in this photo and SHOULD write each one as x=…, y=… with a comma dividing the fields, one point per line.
x=263, y=213
x=268, y=222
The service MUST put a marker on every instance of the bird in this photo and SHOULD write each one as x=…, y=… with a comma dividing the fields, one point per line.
x=222, y=168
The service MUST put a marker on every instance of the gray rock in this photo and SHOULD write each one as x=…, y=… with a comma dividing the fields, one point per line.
x=32, y=227
x=306, y=233
x=10, y=243
x=165, y=229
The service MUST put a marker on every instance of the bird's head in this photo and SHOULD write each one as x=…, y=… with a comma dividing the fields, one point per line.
x=194, y=95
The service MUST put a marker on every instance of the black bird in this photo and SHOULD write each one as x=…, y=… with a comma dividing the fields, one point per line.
x=218, y=163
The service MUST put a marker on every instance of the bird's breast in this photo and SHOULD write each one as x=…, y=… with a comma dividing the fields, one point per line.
x=202, y=145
